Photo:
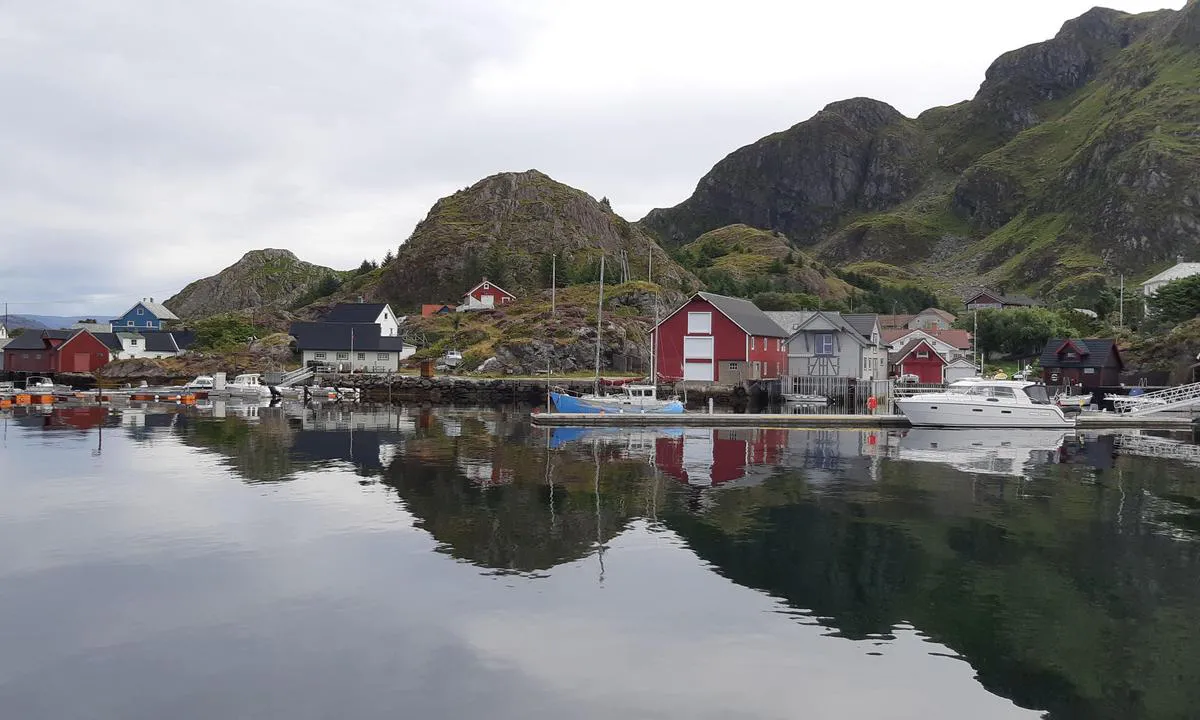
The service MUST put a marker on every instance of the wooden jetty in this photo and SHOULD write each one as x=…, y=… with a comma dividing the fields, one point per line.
x=1088, y=421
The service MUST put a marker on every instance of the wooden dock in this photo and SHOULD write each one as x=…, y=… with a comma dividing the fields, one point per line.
x=1087, y=421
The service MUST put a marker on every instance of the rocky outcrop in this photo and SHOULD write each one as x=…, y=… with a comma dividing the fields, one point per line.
x=988, y=197
x=268, y=279
x=854, y=155
x=507, y=227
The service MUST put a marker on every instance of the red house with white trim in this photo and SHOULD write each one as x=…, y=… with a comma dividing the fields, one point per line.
x=718, y=339
x=920, y=358
x=54, y=351
x=486, y=295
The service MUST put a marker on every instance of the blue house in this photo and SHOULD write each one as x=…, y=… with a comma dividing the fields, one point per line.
x=144, y=315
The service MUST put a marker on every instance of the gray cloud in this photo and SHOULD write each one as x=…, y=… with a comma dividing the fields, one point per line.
x=162, y=141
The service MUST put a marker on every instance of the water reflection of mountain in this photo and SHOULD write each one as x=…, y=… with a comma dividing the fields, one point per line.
x=1068, y=601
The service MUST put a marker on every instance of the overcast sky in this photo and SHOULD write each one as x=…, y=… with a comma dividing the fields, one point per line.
x=149, y=143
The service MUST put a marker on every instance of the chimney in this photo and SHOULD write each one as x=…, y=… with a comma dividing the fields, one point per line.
x=151, y=299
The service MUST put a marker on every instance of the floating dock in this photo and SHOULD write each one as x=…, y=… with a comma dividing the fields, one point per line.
x=1088, y=421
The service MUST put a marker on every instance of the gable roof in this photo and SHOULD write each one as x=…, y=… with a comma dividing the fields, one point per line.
x=493, y=285
x=335, y=336
x=160, y=342
x=36, y=340
x=1017, y=300
x=354, y=312
x=836, y=320
x=789, y=320
x=1099, y=352
x=1178, y=271
x=744, y=314
x=110, y=340
x=898, y=322
x=948, y=317
x=864, y=323
x=910, y=347
x=158, y=310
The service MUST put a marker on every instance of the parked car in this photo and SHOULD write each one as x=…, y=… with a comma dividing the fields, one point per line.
x=908, y=379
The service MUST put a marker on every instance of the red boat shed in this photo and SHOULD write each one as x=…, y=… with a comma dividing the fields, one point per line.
x=918, y=358
x=489, y=294
x=54, y=351
x=718, y=339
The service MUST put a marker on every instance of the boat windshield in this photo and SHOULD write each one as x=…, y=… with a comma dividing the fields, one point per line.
x=1037, y=394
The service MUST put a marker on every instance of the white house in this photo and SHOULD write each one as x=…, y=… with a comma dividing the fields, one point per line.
x=350, y=347
x=355, y=313
x=1180, y=271
x=3, y=332
x=151, y=345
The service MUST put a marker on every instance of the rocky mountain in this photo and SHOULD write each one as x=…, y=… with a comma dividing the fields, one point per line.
x=263, y=280
x=1077, y=159
x=507, y=227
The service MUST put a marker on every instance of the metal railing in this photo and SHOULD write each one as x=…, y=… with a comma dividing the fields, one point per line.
x=1176, y=398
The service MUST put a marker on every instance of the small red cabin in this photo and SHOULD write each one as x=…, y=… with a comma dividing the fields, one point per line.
x=55, y=351
x=714, y=338
x=919, y=358
x=488, y=294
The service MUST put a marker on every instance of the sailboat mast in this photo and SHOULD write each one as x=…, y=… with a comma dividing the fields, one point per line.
x=599, y=322
x=654, y=330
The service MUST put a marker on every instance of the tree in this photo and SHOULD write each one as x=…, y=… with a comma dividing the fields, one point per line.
x=1177, y=301
x=366, y=267
x=388, y=257
x=1021, y=331
x=786, y=301
x=224, y=333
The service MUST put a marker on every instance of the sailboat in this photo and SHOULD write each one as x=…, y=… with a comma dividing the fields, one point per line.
x=632, y=398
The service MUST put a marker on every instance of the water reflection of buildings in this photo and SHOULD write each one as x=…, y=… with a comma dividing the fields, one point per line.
x=707, y=457
x=1011, y=452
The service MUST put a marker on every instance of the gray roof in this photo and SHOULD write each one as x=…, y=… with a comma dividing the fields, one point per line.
x=789, y=320
x=1019, y=300
x=864, y=323
x=335, y=336
x=158, y=310
x=36, y=339
x=110, y=340
x=1097, y=352
x=745, y=314
x=354, y=312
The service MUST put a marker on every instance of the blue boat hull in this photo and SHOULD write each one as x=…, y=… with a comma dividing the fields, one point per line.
x=564, y=403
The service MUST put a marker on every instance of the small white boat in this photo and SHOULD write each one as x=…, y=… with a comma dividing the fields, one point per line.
x=247, y=385
x=38, y=384
x=201, y=382
x=986, y=403
x=452, y=358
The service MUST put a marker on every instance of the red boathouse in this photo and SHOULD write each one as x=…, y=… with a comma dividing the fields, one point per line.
x=714, y=338
x=54, y=351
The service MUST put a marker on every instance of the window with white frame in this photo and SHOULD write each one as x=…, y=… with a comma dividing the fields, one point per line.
x=733, y=366
x=383, y=356
x=866, y=363
x=752, y=341
x=824, y=343
x=318, y=356
x=1089, y=371
x=922, y=354
x=699, y=323
x=362, y=356
x=141, y=311
x=343, y=356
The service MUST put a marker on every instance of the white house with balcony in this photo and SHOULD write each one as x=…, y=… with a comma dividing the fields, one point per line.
x=349, y=347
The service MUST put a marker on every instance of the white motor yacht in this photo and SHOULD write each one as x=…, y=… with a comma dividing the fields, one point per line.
x=248, y=385
x=986, y=403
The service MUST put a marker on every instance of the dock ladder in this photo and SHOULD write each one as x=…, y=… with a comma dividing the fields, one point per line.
x=1176, y=398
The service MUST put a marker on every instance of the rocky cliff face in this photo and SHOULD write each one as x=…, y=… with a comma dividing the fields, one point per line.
x=1079, y=157
x=507, y=227
x=262, y=280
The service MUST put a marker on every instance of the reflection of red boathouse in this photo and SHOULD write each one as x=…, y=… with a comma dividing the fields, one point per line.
x=713, y=456
x=76, y=418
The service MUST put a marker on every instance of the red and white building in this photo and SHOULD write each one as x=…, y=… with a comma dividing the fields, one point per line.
x=485, y=296
x=55, y=351
x=921, y=359
x=718, y=339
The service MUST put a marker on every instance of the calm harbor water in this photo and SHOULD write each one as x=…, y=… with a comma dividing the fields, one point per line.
x=445, y=563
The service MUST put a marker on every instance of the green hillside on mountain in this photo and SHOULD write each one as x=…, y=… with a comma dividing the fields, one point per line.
x=268, y=280
x=1078, y=159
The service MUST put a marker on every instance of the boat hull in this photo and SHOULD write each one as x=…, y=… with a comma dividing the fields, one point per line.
x=564, y=403
x=940, y=411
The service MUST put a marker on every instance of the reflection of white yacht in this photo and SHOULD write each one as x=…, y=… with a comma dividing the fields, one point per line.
x=982, y=451
x=985, y=403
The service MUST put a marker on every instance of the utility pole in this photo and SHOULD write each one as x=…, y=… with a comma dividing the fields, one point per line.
x=553, y=280
x=599, y=322
x=1121, y=315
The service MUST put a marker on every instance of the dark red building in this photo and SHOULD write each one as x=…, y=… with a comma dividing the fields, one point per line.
x=55, y=351
x=487, y=293
x=1092, y=363
x=920, y=359
x=714, y=338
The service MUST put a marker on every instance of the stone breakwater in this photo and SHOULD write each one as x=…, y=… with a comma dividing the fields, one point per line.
x=454, y=390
